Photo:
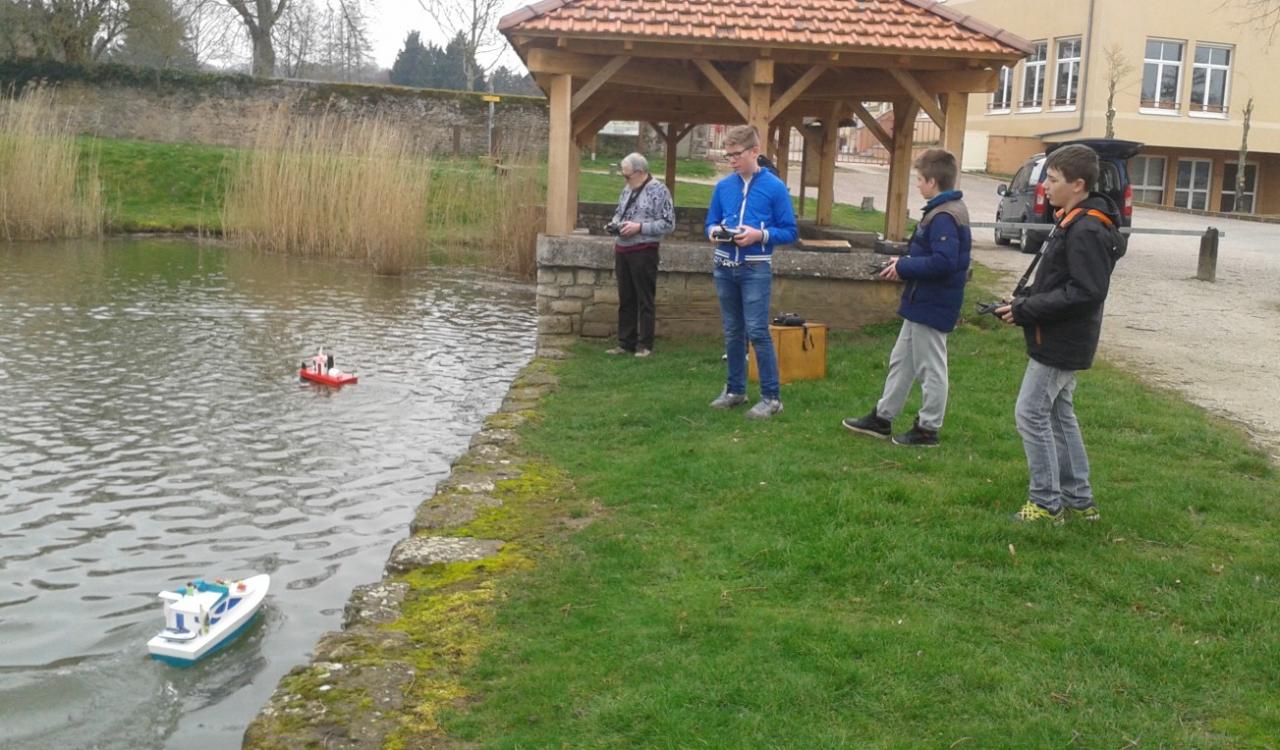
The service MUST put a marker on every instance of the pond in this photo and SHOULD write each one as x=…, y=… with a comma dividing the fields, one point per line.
x=153, y=429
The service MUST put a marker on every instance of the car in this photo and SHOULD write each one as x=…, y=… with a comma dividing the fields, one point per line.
x=1022, y=200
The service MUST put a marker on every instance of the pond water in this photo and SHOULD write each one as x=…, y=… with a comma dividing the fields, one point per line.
x=153, y=429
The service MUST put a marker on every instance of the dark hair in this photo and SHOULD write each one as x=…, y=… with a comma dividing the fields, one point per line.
x=1076, y=162
x=939, y=165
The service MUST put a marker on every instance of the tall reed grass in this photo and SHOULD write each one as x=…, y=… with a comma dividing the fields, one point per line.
x=331, y=187
x=46, y=190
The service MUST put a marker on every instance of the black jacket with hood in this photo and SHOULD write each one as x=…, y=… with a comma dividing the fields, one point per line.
x=1061, y=313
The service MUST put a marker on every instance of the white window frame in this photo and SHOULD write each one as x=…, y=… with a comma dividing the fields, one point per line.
x=1004, y=82
x=1191, y=189
x=1068, y=103
x=1253, y=194
x=1161, y=64
x=1197, y=109
x=1144, y=186
x=1034, y=69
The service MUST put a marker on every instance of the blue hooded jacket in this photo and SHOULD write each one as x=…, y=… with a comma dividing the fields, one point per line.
x=937, y=264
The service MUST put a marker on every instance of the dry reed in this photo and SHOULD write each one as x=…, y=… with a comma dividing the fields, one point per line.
x=46, y=190
x=331, y=187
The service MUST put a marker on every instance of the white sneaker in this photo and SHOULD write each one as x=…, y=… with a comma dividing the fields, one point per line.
x=765, y=409
x=727, y=400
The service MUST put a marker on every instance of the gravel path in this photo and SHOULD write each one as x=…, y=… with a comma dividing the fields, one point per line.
x=1218, y=344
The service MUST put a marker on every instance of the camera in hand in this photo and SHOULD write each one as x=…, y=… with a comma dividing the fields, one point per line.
x=876, y=266
x=989, y=308
x=721, y=233
x=613, y=228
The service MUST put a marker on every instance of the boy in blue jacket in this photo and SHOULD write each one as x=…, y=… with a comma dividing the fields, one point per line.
x=935, y=270
x=750, y=212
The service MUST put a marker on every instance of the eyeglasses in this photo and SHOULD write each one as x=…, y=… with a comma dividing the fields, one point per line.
x=735, y=154
x=627, y=175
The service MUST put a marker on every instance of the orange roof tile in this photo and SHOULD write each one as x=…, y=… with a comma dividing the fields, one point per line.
x=889, y=25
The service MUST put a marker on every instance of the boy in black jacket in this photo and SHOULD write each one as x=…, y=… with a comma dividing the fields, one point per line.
x=1061, y=318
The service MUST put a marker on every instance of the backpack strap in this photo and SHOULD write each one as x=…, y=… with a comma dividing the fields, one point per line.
x=1063, y=221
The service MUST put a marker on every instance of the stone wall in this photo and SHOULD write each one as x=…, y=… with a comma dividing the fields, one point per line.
x=114, y=101
x=690, y=223
x=578, y=295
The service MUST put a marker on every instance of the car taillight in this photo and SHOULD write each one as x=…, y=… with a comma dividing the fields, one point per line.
x=1128, y=202
x=1040, y=201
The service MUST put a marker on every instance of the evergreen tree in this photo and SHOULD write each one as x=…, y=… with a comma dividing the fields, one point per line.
x=410, y=66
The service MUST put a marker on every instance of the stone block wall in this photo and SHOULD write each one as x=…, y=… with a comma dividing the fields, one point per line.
x=578, y=295
x=689, y=221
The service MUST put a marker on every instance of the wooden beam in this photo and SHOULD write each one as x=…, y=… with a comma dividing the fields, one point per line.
x=827, y=165
x=953, y=131
x=797, y=88
x=601, y=77
x=761, y=92
x=559, y=142
x=662, y=75
x=592, y=110
x=928, y=102
x=784, y=150
x=685, y=131
x=904, y=126
x=872, y=125
x=673, y=140
x=724, y=87
x=661, y=130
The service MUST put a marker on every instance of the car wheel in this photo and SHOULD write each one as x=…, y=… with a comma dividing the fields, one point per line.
x=1000, y=238
x=1028, y=242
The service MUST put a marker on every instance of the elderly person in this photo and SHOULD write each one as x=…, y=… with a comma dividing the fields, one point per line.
x=645, y=213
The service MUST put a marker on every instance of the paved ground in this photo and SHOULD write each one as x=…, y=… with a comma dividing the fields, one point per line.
x=1216, y=343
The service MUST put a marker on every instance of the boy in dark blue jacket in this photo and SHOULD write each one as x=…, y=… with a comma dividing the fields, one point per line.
x=934, y=271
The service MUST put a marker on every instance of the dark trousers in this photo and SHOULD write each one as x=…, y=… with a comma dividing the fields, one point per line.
x=637, y=273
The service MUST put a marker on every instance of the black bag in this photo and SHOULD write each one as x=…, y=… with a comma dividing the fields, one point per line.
x=788, y=319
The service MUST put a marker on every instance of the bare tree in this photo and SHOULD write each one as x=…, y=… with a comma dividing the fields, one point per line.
x=1118, y=69
x=1262, y=16
x=476, y=21
x=72, y=31
x=1241, y=168
x=259, y=18
x=213, y=29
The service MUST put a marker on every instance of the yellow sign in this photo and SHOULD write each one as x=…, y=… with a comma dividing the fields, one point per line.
x=491, y=98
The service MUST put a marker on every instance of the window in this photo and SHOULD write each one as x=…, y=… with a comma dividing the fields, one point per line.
x=1161, y=75
x=1003, y=97
x=1033, y=77
x=1067, y=73
x=1192, y=187
x=1229, y=188
x=1209, y=76
x=1146, y=176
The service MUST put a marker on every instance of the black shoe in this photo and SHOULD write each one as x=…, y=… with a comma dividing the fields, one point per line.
x=871, y=425
x=917, y=436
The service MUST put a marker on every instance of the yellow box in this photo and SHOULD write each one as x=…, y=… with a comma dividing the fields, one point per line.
x=801, y=350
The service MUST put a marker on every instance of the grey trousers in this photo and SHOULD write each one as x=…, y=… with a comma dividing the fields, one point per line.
x=1051, y=438
x=920, y=354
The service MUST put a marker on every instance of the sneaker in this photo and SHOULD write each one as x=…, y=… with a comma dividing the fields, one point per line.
x=871, y=425
x=765, y=409
x=918, y=437
x=643, y=352
x=617, y=350
x=1087, y=513
x=1030, y=513
x=727, y=400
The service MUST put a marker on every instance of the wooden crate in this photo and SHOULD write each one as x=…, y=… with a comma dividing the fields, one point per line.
x=801, y=350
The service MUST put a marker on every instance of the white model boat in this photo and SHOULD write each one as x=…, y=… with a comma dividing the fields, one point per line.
x=203, y=617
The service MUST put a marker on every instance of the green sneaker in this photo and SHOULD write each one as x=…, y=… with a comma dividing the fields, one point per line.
x=1087, y=513
x=1031, y=513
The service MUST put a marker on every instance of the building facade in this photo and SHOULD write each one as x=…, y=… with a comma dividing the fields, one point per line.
x=1182, y=71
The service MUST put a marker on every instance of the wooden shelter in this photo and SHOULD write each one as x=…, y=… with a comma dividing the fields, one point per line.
x=775, y=64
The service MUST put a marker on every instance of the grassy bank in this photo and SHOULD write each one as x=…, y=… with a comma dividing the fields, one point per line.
x=791, y=585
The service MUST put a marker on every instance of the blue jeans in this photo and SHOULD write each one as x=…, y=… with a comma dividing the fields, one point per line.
x=1051, y=437
x=744, y=308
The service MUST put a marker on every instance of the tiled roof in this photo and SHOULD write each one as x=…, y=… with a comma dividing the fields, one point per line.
x=896, y=25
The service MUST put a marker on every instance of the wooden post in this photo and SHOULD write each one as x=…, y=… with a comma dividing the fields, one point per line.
x=759, y=101
x=953, y=132
x=559, y=140
x=904, y=124
x=784, y=150
x=673, y=135
x=827, y=167
x=575, y=171
x=1208, y=268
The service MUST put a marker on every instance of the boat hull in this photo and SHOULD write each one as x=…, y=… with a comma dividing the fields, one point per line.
x=345, y=378
x=232, y=624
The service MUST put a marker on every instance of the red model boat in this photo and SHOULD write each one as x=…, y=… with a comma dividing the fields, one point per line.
x=341, y=378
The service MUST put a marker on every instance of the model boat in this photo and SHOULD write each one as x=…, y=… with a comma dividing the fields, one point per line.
x=320, y=369
x=203, y=617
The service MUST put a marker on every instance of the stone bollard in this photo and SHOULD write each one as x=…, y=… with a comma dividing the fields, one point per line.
x=1208, y=267
x=868, y=203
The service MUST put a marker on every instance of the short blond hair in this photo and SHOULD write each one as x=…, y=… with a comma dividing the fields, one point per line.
x=741, y=135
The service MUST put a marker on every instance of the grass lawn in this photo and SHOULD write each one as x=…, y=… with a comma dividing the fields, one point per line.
x=792, y=585
x=179, y=187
